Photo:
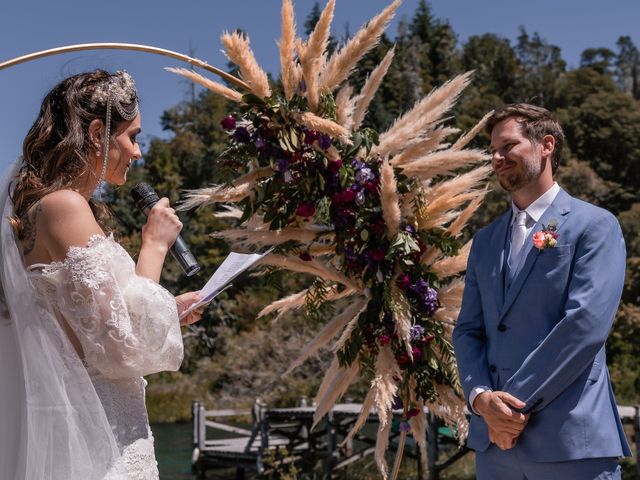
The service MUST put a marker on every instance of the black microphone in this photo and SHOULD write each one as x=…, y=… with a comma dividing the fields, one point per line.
x=146, y=197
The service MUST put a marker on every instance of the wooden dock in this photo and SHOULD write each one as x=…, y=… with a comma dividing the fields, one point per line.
x=246, y=449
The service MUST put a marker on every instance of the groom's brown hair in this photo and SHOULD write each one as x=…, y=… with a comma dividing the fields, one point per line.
x=535, y=122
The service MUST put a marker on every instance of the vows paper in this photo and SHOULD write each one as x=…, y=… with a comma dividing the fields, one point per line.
x=233, y=265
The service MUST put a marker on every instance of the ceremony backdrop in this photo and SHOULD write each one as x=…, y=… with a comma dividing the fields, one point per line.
x=578, y=59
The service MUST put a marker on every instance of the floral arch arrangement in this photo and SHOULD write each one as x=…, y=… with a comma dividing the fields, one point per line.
x=374, y=217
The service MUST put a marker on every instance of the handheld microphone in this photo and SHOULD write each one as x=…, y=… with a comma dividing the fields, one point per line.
x=146, y=197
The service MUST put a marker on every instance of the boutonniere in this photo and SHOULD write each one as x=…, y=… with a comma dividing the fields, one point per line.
x=547, y=238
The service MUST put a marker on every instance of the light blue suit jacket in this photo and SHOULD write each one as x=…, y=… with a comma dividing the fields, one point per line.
x=542, y=339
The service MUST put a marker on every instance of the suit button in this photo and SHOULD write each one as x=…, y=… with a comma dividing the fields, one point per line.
x=492, y=368
x=502, y=327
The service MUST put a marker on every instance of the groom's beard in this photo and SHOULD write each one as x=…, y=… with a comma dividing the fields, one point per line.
x=531, y=170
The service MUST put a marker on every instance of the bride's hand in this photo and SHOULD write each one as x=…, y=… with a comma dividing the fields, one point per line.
x=183, y=302
x=162, y=226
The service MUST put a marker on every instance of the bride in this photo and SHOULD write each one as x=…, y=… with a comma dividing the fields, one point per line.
x=80, y=323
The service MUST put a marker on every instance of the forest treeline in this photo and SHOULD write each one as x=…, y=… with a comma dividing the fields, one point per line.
x=232, y=357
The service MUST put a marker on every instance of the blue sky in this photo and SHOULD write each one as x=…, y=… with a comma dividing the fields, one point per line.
x=28, y=25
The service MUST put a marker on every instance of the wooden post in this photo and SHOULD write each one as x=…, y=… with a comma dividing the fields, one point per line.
x=432, y=445
x=332, y=455
x=636, y=438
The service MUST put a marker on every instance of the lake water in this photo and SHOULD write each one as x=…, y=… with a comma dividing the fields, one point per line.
x=174, y=445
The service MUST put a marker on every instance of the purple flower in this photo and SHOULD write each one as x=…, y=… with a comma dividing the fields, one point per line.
x=409, y=229
x=324, y=141
x=417, y=331
x=405, y=427
x=259, y=142
x=397, y=403
x=282, y=164
x=360, y=198
x=357, y=164
x=350, y=254
x=364, y=175
x=228, y=123
x=427, y=297
x=241, y=135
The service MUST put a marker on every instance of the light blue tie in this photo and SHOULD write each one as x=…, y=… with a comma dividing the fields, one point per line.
x=518, y=236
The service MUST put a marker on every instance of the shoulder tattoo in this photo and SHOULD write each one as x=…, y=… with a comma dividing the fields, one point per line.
x=29, y=228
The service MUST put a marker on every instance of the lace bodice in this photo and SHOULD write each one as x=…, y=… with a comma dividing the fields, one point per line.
x=126, y=326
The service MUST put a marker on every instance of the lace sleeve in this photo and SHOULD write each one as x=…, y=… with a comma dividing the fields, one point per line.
x=127, y=325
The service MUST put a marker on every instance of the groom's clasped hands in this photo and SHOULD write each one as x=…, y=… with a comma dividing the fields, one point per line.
x=499, y=411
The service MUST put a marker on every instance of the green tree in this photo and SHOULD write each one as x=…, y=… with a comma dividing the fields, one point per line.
x=541, y=67
x=627, y=67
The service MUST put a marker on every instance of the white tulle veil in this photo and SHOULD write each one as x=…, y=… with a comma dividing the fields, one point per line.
x=52, y=424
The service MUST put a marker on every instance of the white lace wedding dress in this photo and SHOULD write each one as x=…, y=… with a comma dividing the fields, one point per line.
x=126, y=326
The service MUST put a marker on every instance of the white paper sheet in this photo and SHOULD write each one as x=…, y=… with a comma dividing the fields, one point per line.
x=233, y=265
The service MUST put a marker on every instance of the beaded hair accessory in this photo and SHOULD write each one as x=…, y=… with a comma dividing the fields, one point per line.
x=119, y=92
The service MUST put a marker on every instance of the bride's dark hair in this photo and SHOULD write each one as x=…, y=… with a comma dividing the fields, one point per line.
x=56, y=149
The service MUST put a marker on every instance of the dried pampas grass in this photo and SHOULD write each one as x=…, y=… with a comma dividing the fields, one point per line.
x=323, y=125
x=452, y=265
x=288, y=65
x=215, y=87
x=442, y=162
x=312, y=53
x=371, y=87
x=417, y=150
x=345, y=107
x=342, y=63
x=422, y=116
x=329, y=331
x=389, y=200
x=333, y=387
x=239, y=51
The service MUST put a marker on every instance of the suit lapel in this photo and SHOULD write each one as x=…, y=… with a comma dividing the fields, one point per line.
x=557, y=211
x=498, y=257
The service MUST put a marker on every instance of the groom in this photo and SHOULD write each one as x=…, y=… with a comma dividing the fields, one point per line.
x=543, y=284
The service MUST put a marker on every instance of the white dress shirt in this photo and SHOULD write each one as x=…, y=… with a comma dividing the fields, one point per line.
x=534, y=214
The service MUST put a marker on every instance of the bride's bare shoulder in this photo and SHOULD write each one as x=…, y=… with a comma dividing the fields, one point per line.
x=65, y=219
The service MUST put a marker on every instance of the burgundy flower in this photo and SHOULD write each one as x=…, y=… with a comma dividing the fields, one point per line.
x=343, y=198
x=403, y=281
x=417, y=354
x=304, y=256
x=414, y=412
x=384, y=340
x=371, y=186
x=334, y=166
x=428, y=339
x=228, y=123
x=295, y=156
x=310, y=136
x=403, y=359
x=376, y=254
x=306, y=210
x=377, y=228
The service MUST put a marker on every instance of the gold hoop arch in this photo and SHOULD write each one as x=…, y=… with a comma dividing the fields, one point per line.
x=125, y=46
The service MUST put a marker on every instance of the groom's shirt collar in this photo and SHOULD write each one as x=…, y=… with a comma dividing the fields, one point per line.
x=539, y=206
